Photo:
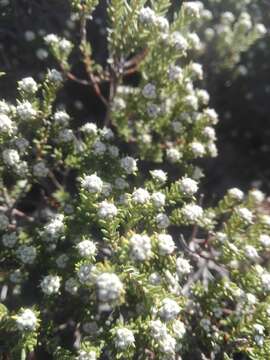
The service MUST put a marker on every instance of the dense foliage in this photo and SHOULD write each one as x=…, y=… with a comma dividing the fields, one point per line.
x=107, y=251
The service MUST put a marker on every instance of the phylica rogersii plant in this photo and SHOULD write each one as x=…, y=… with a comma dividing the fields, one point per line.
x=117, y=258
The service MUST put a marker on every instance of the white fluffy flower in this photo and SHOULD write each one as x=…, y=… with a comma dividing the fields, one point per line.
x=92, y=183
x=154, y=278
x=89, y=128
x=22, y=144
x=158, y=199
x=28, y=85
x=162, y=24
x=193, y=8
x=188, y=186
x=158, y=329
x=9, y=240
x=264, y=240
x=140, y=247
x=183, y=267
x=40, y=170
x=196, y=70
x=50, y=284
x=87, y=355
x=178, y=41
x=209, y=133
x=147, y=16
x=54, y=228
x=265, y=278
x=129, y=164
x=86, y=248
x=6, y=125
x=149, y=91
x=159, y=175
x=86, y=273
x=251, y=253
x=169, y=309
x=99, y=147
x=61, y=261
x=162, y=221
x=166, y=244
x=236, y=194
x=26, y=111
x=175, y=73
x=55, y=76
x=109, y=287
x=107, y=210
x=61, y=118
x=72, y=286
x=51, y=39
x=27, y=254
x=257, y=196
x=124, y=338
x=192, y=212
x=140, y=196
x=211, y=115
x=66, y=135
x=4, y=222
x=26, y=320
x=11, y=157
x=173, y=155
x=245, y=214
x=197, y=148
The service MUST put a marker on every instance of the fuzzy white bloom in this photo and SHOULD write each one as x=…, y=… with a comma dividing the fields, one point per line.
x=158, y=329
x=140, y=247
x=149, y=91
x=175, y=73
x=124, y=338
x=106, y=133
x=9, y=240
x=154, y=278
x=6, y=125
x=245, y=214
x=87, y=355
x=166, y=244
x=169, y=309
x=27, y=254
x=173, y=155
x=89, y=128
x=209, y=133
x=109, y=287
x=28, y=85
x=204, y=98
x=257, y=196
x=178, y=41
x=54, y=228
x=260, y=29
x=129, y=164
x=162, y=221
x=61, y=118
x=51, y=39
x=107, y=210
x=72, y=286
x=66, y=135
x=140, y=196
x=183, y=267
x=227, y=18
x=221, y=237
x=16, y=276
x=159, y=175
x=194, y=41
x=179, y=329
x=197, y=149
x=158, y=199
x=55, y=76
x=191, y=101
x=86, y=248
x=92, y=183
x=147, y=16
x=106, y=189
x=99, y=147
x=4, y=222
x=26, y=111
x=11, y=157
x=188, y=186
x=50, y=284
x=265, y=278
x=236, y=194
x=162, y=24
x=264, y=240
x=40, y=170
x=193, y=8
x=61, y=261
x=197, y=70
x=192, y=212
x=26, y=320
x=86, y=273
x=211, y=115
x=251, y=253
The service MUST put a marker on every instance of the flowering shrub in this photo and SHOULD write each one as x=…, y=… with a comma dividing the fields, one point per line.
x=107, y=250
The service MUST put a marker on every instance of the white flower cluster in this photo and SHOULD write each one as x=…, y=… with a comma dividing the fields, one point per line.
x=26, y=320
x=28, y=85
x=124, y=338
x=50, y=284
x=87, y=355
x=55, y=228
x=27, y=254
x=188, y=186
x=107, y=210
x=109, y=287
x=140, y=247
x=92, y=183
x=6, y=125
x=86, y=248
x=166, y=244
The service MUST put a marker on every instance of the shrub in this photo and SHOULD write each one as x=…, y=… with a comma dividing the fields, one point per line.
x=107, y=250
